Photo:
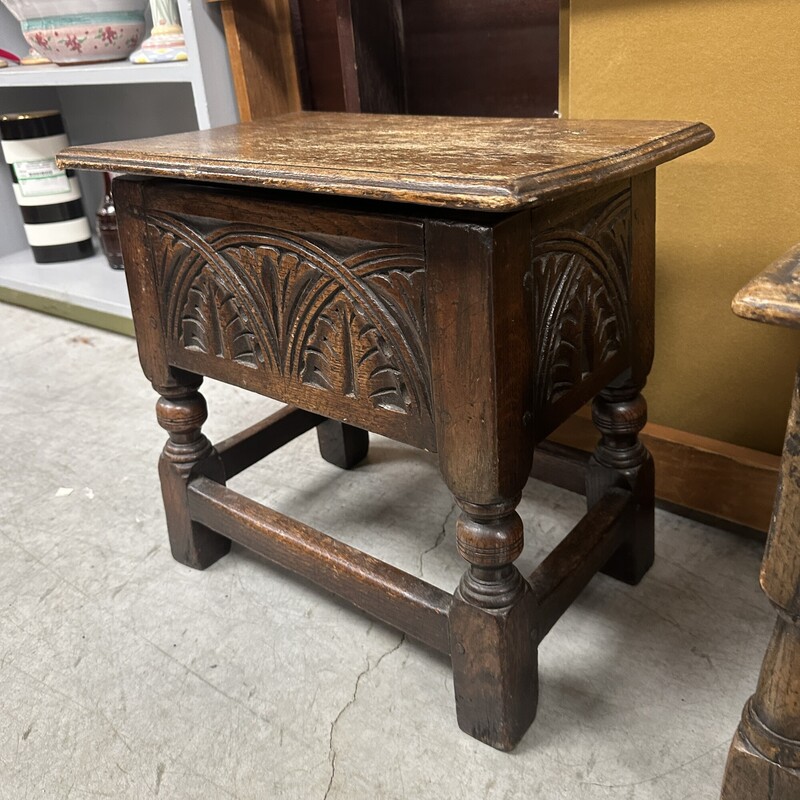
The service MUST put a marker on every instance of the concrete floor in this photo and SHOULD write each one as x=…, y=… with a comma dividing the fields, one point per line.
x=126, y=675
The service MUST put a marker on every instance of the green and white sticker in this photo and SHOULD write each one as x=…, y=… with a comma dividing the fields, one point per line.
x=41, y=178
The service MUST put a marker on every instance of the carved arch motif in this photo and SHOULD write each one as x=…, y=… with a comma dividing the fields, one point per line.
x=581, y=274
x=350, y=324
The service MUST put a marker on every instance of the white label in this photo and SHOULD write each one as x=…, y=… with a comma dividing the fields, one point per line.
x=41, y=178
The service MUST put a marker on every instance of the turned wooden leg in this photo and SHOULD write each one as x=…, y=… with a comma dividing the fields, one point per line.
x=764, y=759
x=492, y=629
x=342, y=444
x=620, y=459
x=181, y=411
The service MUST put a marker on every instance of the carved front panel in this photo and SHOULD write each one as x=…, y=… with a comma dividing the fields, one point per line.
x=581, y=279
x=329, y=322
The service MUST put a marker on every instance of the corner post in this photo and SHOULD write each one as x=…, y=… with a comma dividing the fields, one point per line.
x=480, y=326
x=181, y=411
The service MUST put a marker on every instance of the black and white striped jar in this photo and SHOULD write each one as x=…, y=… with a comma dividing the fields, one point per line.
x=49, y=198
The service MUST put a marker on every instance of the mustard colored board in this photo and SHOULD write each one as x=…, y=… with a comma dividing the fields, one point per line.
x=724, y=212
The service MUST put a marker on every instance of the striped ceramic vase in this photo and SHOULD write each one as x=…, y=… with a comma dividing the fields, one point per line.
x=49, y=198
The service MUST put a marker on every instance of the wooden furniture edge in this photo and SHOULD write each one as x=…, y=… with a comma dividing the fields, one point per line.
x=494, y=194
x=697, y=475
x=773, y=296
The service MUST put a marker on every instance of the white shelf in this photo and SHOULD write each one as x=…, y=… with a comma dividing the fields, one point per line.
x=111, y=72
x=105, y=102
x=88, y=283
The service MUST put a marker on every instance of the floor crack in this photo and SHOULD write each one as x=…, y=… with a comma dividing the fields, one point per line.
x=439, y=538
x=369, y=668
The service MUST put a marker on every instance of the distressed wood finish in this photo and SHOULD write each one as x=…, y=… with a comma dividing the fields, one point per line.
x=483, y=386
x=774, y=295
x=471, y=330
x=764, y=759
x=462, y=162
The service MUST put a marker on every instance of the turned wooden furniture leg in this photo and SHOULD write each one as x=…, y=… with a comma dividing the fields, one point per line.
x=764, y=759
x=492, y=628
x=181, y=411
x=342, y=445
x=482, y=381
x=620, y=459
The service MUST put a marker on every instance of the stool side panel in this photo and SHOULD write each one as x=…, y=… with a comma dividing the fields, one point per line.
x=580, y=278
x=320, y=309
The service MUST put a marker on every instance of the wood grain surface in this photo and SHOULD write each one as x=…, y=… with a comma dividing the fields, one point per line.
x=774, y=294
x=764, y=758
x=460, y=162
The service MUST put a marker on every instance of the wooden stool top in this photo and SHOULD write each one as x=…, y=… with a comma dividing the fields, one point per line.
x=773, y=295
x=478, y=163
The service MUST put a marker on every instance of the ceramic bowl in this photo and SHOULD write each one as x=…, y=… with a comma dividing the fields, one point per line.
x=81, y=31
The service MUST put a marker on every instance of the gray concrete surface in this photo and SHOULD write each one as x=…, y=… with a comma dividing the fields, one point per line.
x=126, y=675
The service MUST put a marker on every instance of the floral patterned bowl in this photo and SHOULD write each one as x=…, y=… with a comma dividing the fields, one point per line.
x=80, y=31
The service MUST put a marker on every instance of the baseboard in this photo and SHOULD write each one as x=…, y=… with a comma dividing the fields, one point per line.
x=696, y=476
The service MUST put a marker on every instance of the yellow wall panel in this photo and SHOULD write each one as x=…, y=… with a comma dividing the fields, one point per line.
x=724, y=212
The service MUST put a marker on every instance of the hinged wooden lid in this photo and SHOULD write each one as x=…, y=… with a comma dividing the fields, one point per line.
x=480, y=163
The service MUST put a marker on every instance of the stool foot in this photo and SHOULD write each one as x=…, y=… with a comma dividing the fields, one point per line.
x=751, y=776
x=181, y=411
x=764, y=759
x=342, y=445
x=492, y=630
x=620, y=459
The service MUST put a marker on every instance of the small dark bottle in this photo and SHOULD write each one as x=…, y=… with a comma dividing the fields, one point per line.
x=107, y=227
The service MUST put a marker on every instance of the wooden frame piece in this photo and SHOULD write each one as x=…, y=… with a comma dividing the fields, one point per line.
x=715, y=482
x=244, y=449
x=261, y=48
x=393, y=596
x=583, y=552
x=397, y=598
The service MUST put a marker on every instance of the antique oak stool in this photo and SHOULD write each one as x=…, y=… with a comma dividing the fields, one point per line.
x=764, y=759
x=462, y=285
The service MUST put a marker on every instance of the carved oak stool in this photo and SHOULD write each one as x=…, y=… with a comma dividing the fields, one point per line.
x=461, y=285
x=764, y=759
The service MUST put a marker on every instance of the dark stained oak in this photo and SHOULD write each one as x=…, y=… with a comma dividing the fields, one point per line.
x=342, y=445
x=563, y=574
x=764, y=759
x=462, y=162
x=461, y=285
x=248, y=447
